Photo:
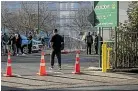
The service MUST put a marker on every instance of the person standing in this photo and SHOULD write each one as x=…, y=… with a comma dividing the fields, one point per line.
x=18, y=44
x=43, y=42
x=9, y=43
x=56, y=44
x=89, y=41
x=2, y=47
x=5, y=40
x=30, y=44
x=13, y=44
x=96, y=42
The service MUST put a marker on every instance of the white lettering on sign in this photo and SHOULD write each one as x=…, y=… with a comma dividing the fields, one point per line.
x=106, y=23
x=102, y=7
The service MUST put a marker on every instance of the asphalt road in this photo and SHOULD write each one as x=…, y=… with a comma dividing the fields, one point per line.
x=87, y=88
x=27, y=66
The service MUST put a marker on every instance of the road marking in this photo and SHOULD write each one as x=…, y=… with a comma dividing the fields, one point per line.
x=16, y=75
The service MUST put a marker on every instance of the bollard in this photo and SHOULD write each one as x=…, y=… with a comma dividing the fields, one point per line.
x=108, y=57
x=104, y=56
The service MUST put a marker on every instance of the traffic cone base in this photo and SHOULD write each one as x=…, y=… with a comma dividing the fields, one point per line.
x=42, y=69
x=76, y=72
x=41, y=74
x=8, y=75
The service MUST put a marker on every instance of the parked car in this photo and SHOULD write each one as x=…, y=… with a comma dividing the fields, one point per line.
x=36, y=45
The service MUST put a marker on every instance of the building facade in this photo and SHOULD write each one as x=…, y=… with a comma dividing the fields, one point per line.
x=64, y=10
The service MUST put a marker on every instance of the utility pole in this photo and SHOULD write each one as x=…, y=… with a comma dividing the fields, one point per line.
x=38, y=18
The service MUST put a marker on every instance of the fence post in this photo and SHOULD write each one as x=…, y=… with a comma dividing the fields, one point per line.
x=115, y=65
x=99, y=47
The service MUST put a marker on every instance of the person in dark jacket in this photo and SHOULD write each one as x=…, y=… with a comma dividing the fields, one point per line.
x=89, y=41
x=30, y=44
x=5, y=40
x=18, y=44
x=56, y=44
x=13, y=44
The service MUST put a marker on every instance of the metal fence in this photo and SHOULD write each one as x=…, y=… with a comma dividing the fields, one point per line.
x=127, y=50
x=124, y=53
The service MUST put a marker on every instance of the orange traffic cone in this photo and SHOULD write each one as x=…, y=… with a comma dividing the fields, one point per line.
x=42, y=70
x=77, y=65
x=9, y=68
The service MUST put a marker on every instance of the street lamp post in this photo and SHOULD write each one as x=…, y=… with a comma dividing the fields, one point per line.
x=38, y=17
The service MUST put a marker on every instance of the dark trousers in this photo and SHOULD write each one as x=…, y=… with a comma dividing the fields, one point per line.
x=58, y=54
x=14, y=48
x=89, y=45
x=29, y=49
x=96, y=49
x=18, y=46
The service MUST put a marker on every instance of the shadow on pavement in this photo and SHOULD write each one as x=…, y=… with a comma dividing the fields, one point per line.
x=19, y=83
x=78, y=88
x=79, y=78
x=7, y=88
x=46, y=80
x=106, y=76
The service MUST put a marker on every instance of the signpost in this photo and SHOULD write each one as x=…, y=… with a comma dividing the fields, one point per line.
x=107, y=13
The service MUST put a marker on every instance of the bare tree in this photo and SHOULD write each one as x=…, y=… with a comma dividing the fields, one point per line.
x=80, y=22
x=26, y=17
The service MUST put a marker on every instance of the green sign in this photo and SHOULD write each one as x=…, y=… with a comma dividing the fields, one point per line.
x=106, y=13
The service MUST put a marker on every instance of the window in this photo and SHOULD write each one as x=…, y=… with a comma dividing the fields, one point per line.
x=52, y=6
x=63, y=6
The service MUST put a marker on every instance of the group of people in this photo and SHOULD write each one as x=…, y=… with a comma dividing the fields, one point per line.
x=13, y=43
x=56, y=44
x=89, y=41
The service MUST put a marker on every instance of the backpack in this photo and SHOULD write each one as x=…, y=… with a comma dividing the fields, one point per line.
x=89, y=39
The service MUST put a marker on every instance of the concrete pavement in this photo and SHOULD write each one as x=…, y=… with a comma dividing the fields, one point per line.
x=26, y=68
x=89, y=80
